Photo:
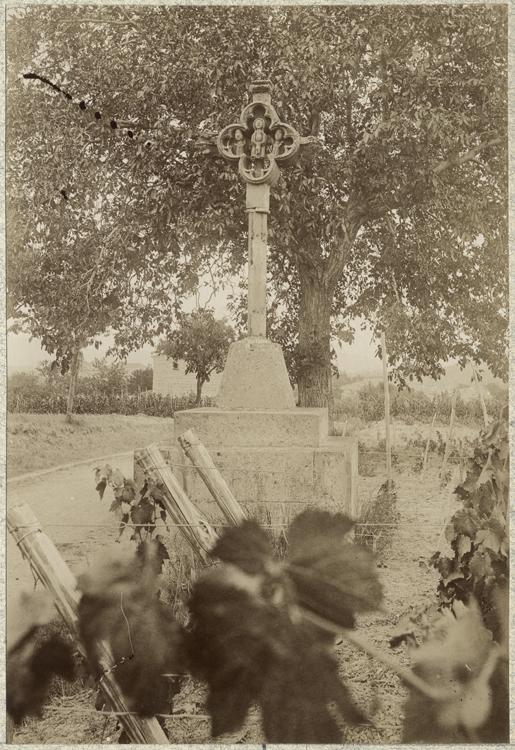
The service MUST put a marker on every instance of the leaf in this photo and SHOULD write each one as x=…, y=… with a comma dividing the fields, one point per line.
x=332, y=578
x=463, y=545
x=130, y=490
x=117, y=479
x=100, y=488
x=487, y=474
x=250, y=645
x=232, y=642
x=299, y=690
x=404, y=632
x=29, y=611
x=115, y=506
x=120, y=605
x=245, y=546
x=142, y=514
x=32, y=661
x=102, y=478
x=466, y=521
x=460, y=665
x=450, y=532
x=480, y=565
x=153, y=553
x=488, y=539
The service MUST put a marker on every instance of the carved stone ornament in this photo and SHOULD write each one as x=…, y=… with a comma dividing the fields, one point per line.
x=260, y=142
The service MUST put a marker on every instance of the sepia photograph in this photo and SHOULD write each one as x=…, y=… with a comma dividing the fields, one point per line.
x=257, y=428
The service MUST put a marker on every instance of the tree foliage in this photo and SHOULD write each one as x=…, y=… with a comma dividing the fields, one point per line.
x=397, y=214
x=202, y=342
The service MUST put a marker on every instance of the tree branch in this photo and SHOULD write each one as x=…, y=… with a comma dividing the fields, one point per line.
x=469, y=156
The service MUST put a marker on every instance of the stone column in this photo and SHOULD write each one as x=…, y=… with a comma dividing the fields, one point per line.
x=258, y=197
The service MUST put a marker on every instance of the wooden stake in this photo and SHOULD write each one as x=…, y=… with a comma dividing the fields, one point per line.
x=58, y=579
x=449, y=438
x=427, y=443
x=191, y=521
x=387, y=413
x=213, y=480
x=483, y=405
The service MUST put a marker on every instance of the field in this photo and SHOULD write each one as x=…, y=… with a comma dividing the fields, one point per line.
x=423, y=504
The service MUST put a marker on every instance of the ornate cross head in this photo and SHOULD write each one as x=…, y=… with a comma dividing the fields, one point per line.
x=260, y=142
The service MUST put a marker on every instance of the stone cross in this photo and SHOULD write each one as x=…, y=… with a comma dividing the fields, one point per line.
x=260, y=143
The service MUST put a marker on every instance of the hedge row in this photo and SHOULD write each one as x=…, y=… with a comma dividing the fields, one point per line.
x=153, y=404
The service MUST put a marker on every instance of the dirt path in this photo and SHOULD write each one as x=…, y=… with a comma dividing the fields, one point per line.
x=69, y=509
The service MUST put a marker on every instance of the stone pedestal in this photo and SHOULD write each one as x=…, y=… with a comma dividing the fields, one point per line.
x=276, y=459
x=281, y=459
x=255, y=377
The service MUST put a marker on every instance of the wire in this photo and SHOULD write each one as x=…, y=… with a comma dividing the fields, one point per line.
x=114, y=714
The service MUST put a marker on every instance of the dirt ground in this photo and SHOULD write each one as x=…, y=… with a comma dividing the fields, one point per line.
x=409, y=583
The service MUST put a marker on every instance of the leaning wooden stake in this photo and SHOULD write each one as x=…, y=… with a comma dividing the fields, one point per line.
x=191, y=522
x=57, y=578
x=449, y=438
x=212, y=478
x=386, y=413
x=427, y=443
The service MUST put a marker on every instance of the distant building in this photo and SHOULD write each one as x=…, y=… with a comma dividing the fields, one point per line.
x=170, y=379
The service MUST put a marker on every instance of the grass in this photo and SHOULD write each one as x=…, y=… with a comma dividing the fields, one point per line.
x=41, y=441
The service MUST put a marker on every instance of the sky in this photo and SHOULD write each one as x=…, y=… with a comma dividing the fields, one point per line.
x=23, y=354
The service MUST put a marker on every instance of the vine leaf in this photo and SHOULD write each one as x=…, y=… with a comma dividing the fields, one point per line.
x=466, y=521
x=250, y=643
x=245, y=546
x=464, y=662
x=404, y=632
x=480, y=565
x=102, y=478
x=120, y=605
x=232, y=643
x=153, y=552
x=333, y=578
x=464, y=544
x=32, y=662
x=489, y=539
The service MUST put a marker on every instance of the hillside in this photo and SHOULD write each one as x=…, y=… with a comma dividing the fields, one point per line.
x=454, y=378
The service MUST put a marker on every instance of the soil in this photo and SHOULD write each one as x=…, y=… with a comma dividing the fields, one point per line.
x=80, y=524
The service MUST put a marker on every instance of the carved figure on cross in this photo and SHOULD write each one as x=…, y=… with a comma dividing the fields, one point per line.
x=261, y=144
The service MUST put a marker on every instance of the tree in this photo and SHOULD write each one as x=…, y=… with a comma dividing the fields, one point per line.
x=202, y=342
x=140, y=380
x=110, y=378
x=77, y=268
x=398, y=213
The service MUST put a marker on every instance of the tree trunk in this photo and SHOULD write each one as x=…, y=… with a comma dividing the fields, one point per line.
x=200, y=384
x=314, y=363
x=74, y=374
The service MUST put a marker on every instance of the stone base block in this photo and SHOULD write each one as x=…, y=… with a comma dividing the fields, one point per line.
x=255, y=377
x=285, y=480
x=254, y=429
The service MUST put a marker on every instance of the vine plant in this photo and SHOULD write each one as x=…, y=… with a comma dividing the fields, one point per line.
x=261, y=630
x=136, y=509
x=478, y=531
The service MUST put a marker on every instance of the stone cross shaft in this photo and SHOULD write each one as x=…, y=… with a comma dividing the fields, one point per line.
x=260, y=143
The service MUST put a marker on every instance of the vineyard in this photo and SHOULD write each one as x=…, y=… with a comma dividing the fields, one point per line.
x=295, y=634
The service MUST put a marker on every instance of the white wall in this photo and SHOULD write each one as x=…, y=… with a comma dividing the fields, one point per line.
x=174, y=382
